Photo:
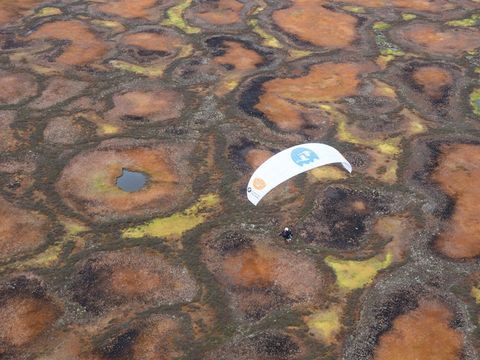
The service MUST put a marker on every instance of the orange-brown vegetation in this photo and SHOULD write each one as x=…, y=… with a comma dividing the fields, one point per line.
x=20, y=230
x=398, y=229
x=84, y=46
x=432, y=39
x=220, y=12
x=310, y=21
x=25, y=318
x=70, y=345
x=10, y=11
x=458, y=174
x=58, y=89
x=135, y=276
x=88, y=182
x=157, y=340
x=239, y=56
x=164, y=42
x=149, y=106
x=423, y=333
x=250, y=268
x=257, y=157
x=129, y=281
x=264, y=266
x=433, y=80
x=16, y=87
x=128, y=9
x=283, y=100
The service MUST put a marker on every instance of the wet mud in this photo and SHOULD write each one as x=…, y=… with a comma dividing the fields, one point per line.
x=128, y=133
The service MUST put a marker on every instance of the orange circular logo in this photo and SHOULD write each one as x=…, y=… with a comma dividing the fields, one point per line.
x=259, y=184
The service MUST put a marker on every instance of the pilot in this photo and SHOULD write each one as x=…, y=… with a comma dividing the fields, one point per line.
x=287, y=234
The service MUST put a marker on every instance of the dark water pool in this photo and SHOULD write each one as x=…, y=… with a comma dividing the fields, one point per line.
x=131, y=181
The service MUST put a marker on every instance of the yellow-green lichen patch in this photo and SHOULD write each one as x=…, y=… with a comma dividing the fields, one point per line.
x=387, y=147
x=106, y=129
x=73, y=228
x=175, y=18
x=388, y=174
x=475, y=292
x=297, y=54
x=380, y=25
x=394, y=52
x=383, y=89
x=48, y=258
x=383, y=151
x=408, y=17
x=268, y=40
x=473, y=20
x=176, y=224
x=325, y=324
x=415, y=124
x=475, y=101
x=416, y=127
x=151, y=71
x=355, y=274
x=48, y=11
x=262, y=5
x=109, y=24
x=386, y=47
x=383, y=60
x=327, y=173
x=231, y=85
x=154, y=70
x=354, y=9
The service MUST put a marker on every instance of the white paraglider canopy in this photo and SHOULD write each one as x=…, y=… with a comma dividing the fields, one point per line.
x=288, y=163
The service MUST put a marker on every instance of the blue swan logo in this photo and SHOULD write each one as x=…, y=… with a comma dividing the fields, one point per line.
x=302, y=156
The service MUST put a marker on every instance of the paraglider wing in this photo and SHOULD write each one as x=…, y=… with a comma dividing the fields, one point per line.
x=288, y=163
